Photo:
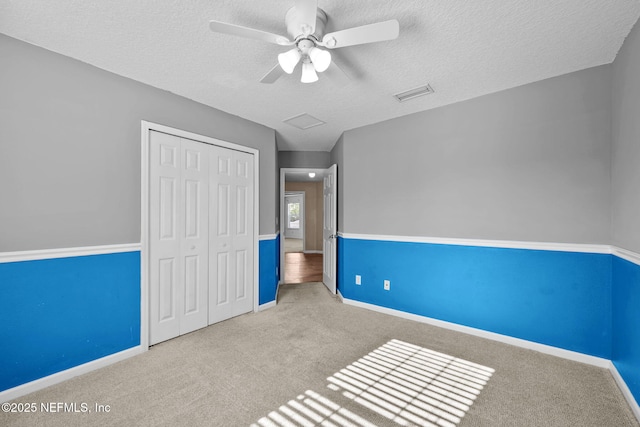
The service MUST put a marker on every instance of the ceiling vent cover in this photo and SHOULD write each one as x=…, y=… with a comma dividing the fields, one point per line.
x=303, y=121
x=414, y=93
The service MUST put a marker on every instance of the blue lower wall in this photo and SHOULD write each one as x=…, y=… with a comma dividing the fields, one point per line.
x=59, y=313
x=269, y=269
x=562, y=299
x=56, y=314
x=626, y=323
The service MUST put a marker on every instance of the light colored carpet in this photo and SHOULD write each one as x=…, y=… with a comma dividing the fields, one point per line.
x=313, y=355
x=293, y=245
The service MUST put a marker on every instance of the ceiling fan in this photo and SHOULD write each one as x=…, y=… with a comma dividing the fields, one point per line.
x=305, y=25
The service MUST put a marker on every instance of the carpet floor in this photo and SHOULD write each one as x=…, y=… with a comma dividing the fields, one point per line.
x=312, y=360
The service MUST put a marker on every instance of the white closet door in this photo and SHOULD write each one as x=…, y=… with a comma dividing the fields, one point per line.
x=195, y=238
x=165, y=269
x=231, y=234
x=178, y=204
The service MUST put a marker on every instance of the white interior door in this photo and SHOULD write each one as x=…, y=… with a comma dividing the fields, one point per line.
x=178, y=230
x=164, y=248
x=329, y=229
x=195, y=241
x=231, y=233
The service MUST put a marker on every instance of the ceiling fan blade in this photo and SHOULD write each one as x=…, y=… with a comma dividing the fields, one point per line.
x=336, y=74
x=250, y=33
x=387, y=30
x=307, y=13
x=274, y=74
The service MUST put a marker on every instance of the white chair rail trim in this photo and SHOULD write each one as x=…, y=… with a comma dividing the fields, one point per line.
x=54, y=253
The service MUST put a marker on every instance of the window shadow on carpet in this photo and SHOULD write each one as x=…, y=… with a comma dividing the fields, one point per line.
x=402, y=382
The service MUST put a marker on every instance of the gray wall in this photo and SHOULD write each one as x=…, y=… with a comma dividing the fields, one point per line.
x=625, y=198
x=70, y=149
x=530, y=163
x=304, y=159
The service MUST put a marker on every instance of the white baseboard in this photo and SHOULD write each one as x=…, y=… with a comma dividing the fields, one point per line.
x=625, y=390
x=267, y=305
x=542, y=348
x=270, y=304
x=312, y=252
x=58, y=377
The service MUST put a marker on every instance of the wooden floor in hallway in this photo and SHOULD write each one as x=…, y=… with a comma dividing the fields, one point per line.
x=302, y=268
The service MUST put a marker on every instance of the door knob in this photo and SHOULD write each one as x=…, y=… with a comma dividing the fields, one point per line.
x=193, y=247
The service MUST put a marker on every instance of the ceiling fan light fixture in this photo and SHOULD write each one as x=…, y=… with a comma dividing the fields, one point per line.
x=321, y=59
x=289, y=59
x=308, y=73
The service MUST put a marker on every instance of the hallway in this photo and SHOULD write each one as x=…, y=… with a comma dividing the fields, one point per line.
x=302, y=268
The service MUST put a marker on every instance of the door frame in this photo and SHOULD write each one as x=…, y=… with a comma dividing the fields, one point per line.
x=303, y=213
x=146, y=128
x=283, y=218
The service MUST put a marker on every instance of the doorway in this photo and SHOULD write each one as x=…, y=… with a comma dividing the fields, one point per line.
x=315, y=261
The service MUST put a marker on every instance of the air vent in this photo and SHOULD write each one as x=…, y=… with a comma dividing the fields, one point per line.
x=303, y=121
x=413, y=93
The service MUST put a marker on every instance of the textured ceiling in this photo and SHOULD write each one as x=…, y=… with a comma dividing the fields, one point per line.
x=463, y=48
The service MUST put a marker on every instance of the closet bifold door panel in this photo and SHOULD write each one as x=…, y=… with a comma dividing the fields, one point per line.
x=195, y=244
x=231, y=233
x=201, y=234
x=178, y=236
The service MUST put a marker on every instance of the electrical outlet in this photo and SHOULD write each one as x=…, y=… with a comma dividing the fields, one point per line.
x=387, y=285
x=358, y=279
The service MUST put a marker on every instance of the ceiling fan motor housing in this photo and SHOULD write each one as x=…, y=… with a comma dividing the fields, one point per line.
x=296, y=28
x=305, y=45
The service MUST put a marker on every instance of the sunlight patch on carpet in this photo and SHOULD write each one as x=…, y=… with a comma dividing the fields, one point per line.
x=312, y=409
x=412, y=385
x=405, y=383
